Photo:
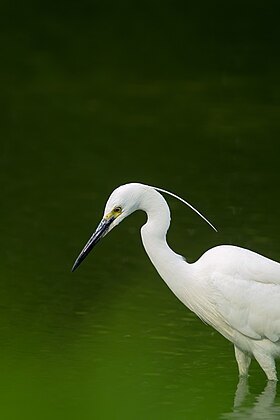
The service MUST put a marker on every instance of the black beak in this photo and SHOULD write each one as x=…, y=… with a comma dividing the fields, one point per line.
x=100, y=232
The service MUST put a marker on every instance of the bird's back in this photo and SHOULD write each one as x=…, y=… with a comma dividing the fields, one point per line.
x=240, y=262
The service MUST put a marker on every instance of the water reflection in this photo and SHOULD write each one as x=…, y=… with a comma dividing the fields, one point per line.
x=262, y=406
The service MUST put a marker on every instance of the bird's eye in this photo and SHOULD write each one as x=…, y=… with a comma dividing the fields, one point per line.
x=117, y=209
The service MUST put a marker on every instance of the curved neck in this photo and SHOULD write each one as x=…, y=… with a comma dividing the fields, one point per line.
x=153, y=233
x=180, y=276
x=185, y=280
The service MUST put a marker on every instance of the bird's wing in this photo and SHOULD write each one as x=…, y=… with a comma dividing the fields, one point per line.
x=245, y=292
x=250, y=307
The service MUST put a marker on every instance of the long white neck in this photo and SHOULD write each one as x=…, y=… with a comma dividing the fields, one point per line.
x=153, y=233
x=181, y=277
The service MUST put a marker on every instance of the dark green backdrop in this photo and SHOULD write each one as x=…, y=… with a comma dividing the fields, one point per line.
x=183, y=95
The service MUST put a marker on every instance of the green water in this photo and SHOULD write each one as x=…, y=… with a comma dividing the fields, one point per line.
x=180, y=96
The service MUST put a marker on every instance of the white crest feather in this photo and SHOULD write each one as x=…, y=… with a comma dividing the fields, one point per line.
x=188, y=204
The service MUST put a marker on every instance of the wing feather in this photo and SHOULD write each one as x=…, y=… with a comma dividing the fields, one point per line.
x=244, y=289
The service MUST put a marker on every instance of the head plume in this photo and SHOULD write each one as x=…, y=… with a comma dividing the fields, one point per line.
x=187, y=204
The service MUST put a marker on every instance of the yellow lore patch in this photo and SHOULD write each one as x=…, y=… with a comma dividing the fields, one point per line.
x=114, y=213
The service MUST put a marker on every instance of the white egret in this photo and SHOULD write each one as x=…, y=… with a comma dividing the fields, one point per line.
x=234, y=290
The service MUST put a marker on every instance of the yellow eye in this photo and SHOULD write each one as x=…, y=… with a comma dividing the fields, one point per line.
x=117, y=210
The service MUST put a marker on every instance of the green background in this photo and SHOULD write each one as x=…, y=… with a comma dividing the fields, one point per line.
x=182, y=95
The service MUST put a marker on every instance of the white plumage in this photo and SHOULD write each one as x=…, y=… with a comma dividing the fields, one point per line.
x=234, y=290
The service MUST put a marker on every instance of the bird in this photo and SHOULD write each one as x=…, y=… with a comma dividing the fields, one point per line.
x=234, y=290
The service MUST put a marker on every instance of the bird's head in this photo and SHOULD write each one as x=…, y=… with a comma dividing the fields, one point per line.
x=123, y=201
